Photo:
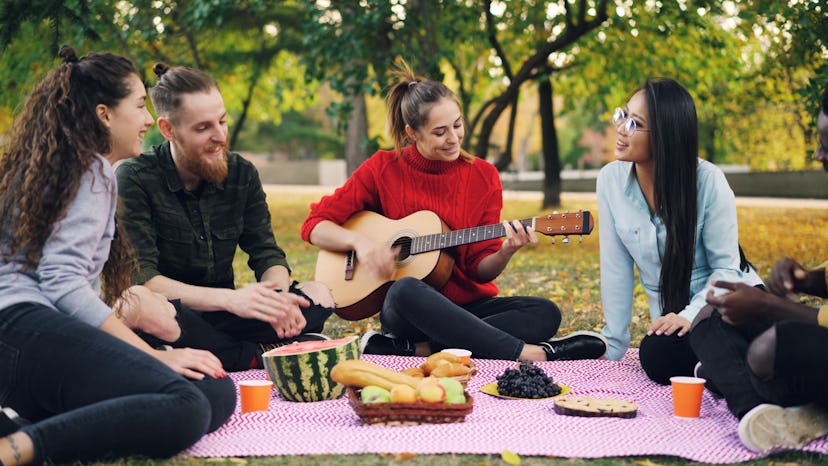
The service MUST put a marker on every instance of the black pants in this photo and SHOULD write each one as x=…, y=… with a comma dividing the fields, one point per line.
x=233, y=339
x=92, y=397
x=494, y=328
x=664, y=356
x=800, y=367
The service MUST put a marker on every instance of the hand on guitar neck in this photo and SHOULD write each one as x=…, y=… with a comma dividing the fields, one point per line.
x=418, y=240
x=518, y=235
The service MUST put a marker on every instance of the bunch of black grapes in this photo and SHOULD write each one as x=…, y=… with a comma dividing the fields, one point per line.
x=526, y=381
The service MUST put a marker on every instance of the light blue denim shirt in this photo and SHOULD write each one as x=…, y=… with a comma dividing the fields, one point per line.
x=629, y=235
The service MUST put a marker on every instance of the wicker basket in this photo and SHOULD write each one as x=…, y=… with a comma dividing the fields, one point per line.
x=406, y=414
x=464, y=379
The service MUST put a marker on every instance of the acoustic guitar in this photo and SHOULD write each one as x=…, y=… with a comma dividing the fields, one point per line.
x=421, y=237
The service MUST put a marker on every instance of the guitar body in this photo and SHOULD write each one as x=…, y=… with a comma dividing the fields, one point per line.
x=362, y=295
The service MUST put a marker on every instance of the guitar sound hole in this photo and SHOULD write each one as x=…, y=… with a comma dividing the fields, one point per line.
x=404, y=244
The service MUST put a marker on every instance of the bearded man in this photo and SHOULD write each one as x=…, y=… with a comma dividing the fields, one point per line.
x=185, y=206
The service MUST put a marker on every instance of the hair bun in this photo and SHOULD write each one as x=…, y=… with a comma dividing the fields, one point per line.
x=160, y=68
x=67, y=54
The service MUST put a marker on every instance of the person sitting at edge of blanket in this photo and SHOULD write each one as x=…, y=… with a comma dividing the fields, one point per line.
x=766, y=353
x=186, y=205
x=672, y=216
x=428, y=170
x=76, y=385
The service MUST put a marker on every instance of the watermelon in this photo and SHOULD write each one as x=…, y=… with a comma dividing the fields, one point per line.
x=301, y=371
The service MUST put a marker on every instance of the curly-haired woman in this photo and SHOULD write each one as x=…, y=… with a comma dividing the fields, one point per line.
x=88, y=387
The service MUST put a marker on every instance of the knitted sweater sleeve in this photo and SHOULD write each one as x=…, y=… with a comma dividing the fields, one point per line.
x=357, y=194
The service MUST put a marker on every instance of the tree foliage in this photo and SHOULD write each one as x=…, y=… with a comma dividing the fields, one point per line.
x=250, y=47
x=755, y=67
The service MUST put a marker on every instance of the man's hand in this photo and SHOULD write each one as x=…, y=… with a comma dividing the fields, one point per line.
x=670, y=324
x=744, y=304
x=192, y=363
x=788, y=277
x=260, y=301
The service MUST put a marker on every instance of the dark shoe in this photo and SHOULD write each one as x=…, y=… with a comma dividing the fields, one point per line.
x=265, y=347
x=577, y=345
x=376, y=343
x=698, y=371
x=10, y=422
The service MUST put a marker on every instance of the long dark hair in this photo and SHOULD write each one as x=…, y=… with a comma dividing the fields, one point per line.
x=674, y=147
x=409, y=102
x=51, y=144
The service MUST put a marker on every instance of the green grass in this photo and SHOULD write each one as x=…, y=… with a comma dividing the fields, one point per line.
x=566, y=273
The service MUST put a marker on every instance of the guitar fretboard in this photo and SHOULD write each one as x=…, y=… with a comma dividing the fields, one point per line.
x=426, y=243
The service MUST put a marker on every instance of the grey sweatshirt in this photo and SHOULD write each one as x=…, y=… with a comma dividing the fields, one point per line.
x=68, y=276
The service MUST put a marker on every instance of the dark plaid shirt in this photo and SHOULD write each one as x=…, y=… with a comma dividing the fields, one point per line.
x=192, y=236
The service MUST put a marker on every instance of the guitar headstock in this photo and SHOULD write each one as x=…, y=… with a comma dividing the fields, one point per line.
x=565, y=223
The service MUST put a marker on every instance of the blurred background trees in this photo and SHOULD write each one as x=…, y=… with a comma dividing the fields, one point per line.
x=537, y=79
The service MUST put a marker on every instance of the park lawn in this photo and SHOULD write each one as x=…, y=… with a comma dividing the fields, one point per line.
x=566, y=273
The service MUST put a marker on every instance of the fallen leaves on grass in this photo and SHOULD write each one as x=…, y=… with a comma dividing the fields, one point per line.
x=399, y=456
x=510, y=457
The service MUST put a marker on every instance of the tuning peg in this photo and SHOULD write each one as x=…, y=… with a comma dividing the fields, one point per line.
x=580, y=239
x=553, y=240
x=566, y=240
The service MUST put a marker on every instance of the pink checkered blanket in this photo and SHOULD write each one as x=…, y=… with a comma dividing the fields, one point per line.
x=525, y=427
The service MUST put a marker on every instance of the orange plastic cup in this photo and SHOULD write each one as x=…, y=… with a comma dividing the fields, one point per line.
x=463, y=354
x=255, y=395
x=687, y=396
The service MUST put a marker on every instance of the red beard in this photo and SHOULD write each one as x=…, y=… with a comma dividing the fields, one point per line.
x=210, y=170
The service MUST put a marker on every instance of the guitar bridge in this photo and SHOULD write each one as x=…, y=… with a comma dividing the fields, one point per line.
x=350, y=262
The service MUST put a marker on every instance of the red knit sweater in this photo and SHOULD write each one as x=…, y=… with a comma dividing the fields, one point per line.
x=462, y=194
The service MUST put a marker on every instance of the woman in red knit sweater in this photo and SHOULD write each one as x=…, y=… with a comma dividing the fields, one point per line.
x=429, y=171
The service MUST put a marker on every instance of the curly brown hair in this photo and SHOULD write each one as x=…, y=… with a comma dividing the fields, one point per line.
x=51, y=144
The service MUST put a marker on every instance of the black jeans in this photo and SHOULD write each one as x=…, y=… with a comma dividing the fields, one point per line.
x=800, y=367
x=92, y=397
x=233, y=339
x=493, y=328
x=663, y=356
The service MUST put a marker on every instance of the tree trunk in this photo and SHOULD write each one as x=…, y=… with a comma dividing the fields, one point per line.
x=356, y=134
x=549, y=138
x=707, y=140
x=505, y=158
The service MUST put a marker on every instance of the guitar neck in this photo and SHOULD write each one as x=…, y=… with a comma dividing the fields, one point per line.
x=554, y=224
x=450, y=239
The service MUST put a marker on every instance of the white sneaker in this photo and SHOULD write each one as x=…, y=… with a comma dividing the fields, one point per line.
x=767, y=426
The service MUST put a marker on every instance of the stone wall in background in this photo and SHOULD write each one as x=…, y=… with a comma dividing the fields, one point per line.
x=812, y=184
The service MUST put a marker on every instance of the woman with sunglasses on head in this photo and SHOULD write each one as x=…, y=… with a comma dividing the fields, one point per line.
x=76, y=384
x=670, y=215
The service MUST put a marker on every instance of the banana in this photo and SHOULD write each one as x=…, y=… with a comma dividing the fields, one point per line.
x=358, y=373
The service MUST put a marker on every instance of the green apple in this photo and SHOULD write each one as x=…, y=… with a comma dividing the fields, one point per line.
x=454, y=390
x=375, y=394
